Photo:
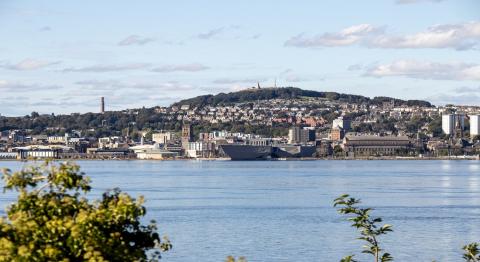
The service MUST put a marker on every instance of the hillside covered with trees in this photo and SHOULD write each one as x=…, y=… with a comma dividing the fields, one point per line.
x=134, y=121
x=250, y=95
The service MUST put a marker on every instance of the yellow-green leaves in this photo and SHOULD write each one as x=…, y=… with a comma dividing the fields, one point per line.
x=472, y=252
x=232, y=259
x=51, y=221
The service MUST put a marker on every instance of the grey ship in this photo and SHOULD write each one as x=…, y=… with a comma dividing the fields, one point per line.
x=293, y=151
x=247, y=152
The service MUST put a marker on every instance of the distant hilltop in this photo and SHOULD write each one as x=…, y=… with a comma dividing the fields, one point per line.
x=256, y=94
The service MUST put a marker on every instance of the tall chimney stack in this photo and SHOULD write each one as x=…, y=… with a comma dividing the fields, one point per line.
x=102, y=105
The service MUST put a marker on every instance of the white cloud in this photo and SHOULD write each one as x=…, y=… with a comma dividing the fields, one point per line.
x=108, y=68
x=461, y=36
x=194, y=67
x=6, y=86
x=348, y=36
x=457, y=36
x=115, y=85
x=211, y=33
x=135, y=40
x=28, y=64
x=427, y=70
x=217, y=31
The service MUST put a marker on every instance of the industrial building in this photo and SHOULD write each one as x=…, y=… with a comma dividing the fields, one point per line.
x=358, y=146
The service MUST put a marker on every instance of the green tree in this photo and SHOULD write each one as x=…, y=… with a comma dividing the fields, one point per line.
x=52, y=220
x=338, y=151
x=232, y=259
x=472, y=253
x=369, y=227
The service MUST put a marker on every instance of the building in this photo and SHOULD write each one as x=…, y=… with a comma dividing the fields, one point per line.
x=57, y=139
x=200, y=150
x=162, y=138
x=152, y=152
x=297, y=135
x=448, y=123
x=337, y=134
x=109, y=152
x=358, y=146
x=187, y=135
x=17, y=136
x=324, y=148
x=459, y=125
x=102, y=105
x=8, y=155
x=40, y=139
x=453, y=124
x=474, y=125
x=37, y=153
x=342, y=123
x=110, y=142
x=40, y=152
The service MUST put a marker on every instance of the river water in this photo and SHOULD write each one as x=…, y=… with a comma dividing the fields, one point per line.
x=282, y=210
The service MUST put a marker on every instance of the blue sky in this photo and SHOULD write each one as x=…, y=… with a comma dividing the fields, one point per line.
x=62, y=56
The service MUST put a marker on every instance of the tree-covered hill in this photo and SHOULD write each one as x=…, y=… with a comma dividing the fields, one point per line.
x=132, y=121
x=250, y=95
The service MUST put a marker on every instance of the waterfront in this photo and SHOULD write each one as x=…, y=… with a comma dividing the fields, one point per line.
x=281, y=210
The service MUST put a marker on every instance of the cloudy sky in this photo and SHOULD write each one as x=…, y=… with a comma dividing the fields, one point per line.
x=62, y=56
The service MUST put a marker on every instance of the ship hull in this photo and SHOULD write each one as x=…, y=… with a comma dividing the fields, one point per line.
x=292, y=151
x=247, y=152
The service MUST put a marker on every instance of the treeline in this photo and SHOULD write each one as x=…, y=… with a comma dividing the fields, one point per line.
x=125, y=123
x=95, y=124
x=290, y=93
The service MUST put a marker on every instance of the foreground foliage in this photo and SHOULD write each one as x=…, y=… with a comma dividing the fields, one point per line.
x=472, y=253
x=232, y=259
x=369, y=227
x=52, y=220
x=370, y=230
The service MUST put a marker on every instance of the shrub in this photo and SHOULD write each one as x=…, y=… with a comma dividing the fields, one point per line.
x=52, y=220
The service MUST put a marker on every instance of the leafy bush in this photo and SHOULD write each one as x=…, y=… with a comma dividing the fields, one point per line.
x=52, y=220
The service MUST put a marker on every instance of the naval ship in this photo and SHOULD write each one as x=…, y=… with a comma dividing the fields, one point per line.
x=265, y=152
x=247, y=152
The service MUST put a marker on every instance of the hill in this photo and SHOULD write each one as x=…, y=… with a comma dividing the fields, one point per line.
x=251, y=95
x=135, y=120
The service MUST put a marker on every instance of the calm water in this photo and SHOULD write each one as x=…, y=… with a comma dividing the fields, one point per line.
x=282, y=210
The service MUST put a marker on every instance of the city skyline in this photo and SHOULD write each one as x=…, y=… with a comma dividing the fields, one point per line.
x=62, y=57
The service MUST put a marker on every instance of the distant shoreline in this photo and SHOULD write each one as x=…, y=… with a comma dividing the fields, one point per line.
x=470, y=158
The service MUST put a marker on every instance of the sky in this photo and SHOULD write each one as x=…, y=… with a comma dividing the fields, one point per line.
x=62, y=56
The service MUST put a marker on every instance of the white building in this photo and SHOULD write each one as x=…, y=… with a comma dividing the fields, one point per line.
x=162, y=138
x=56, y=139
x=152, y=152
x=109, y=142
x=294, y=135
x=341, y=123
x=200, y=150
x=474, y=125
x=448, y=123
